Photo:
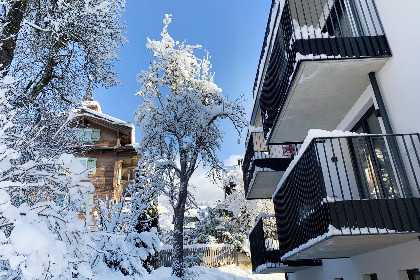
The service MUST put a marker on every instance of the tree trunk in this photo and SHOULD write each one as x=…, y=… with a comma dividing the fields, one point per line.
x=10, y=33
x=178, y=239
x=47, y=75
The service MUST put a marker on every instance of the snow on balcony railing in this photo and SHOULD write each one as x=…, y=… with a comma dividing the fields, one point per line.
x=308, y=30
x=343, y=183
x=264, y=244
x=265, y=247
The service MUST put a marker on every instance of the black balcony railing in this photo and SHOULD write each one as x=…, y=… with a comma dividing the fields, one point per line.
x=352, y=185
x=259, y=157
x=247, y=166
x=264, y=245
x=314, y=29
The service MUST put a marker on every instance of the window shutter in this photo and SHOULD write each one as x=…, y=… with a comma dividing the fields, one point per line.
x=89, y=205
x=91, y=165
x=96, y=134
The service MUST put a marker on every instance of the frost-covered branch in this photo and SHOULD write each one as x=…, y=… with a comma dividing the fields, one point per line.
x=179, y=115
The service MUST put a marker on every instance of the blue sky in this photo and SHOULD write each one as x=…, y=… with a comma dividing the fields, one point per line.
x=231, y=30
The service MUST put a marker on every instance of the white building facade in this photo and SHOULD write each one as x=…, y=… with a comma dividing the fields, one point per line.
x=347, y=204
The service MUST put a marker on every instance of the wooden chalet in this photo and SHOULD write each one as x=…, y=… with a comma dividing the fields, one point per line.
x=110, y=152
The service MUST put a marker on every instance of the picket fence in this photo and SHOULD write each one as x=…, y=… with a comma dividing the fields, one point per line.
x=209, y=255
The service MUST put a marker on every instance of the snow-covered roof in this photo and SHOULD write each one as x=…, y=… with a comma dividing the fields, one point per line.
x=99, y=115
x=84, y=111
x=220, y=227
x=192, y=213
x=92, y=103
x=195, y=212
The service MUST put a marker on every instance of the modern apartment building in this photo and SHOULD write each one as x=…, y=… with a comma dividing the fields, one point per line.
x=347, y=204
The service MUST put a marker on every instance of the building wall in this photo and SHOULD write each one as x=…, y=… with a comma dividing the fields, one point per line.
x=398, y=79
x=387, y=263
x=105, y=176
x=399, y=84
x=108, y=162
x=109, y=137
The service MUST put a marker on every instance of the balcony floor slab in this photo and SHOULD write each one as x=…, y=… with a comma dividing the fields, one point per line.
x=264, y=184
x=345, y=246
x=321, y=94
x=281, y=269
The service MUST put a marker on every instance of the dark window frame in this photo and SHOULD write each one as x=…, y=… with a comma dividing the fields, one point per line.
x=413, y=272
x=361, y=123
x=363, y=120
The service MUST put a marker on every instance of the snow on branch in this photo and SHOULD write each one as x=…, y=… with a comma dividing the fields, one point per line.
x=180, y=111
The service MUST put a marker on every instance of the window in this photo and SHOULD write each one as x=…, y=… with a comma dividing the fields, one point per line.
x=413, y=274
x=89, y=134
x=372, y=276
x=60, y=199
x=87, y=206
x=89, y=163
x=119, y=175
x=372, y=160
x=83, y=161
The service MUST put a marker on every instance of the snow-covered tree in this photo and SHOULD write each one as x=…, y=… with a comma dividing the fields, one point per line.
x=245, y=212
x=61, y=50
x=41, y=235
x=208, y=229
x=181, y=107
x=61, y=41
x=235, y=215
x=51, y=53
x=56, y=51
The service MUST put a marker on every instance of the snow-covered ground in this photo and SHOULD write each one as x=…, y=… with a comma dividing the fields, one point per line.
x=231, y=272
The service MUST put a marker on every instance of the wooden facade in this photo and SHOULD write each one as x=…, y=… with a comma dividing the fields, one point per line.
x=110, y=152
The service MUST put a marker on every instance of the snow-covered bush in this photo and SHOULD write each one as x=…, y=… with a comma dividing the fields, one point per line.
x=231, y=220
x=128, y=239
x=41, y=235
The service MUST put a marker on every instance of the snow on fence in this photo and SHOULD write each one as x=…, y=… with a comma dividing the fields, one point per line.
x=209, y=255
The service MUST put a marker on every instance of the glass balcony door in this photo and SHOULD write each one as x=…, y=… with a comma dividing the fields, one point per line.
x=372, y=160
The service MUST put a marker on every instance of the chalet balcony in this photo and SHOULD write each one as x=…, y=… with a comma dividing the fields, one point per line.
x=345, y=196
x=265, y=253
x=264, y=165
x=316, y=64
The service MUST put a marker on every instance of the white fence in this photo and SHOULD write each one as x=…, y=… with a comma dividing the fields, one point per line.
x=209, y=255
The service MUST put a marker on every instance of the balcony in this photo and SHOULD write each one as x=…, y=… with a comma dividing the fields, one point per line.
x=264, y=165
x=315, y=64
x=345, y=196
x=265, y=253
